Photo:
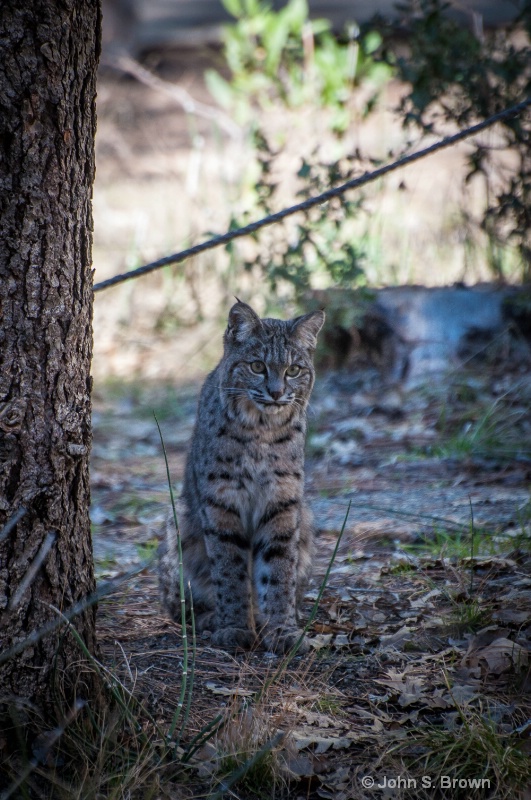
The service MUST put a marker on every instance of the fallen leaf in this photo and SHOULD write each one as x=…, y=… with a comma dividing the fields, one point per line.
x=320, y=640
x=462, y=693
x=341, y=640
x=437, y=700
x=502, y=655
x=421, y=602
x=321, y=741
x=398, y=638
x=467, y=674
x=298, y=766
x=509, y=616
x=227, y=690
x=375, y=616
x=489, y=563
x=321, y=720
x=408, y=688
x=485, y=636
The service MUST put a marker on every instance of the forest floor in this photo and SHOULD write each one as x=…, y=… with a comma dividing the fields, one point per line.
x=418, y=682
x=418, y=678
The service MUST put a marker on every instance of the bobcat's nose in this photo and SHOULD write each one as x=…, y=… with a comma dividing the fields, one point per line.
x=276, y=394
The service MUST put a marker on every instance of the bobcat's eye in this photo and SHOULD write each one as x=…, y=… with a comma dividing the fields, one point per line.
x=293, y=370
x=258, y=367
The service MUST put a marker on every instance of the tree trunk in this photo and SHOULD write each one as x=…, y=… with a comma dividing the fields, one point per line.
x=49, y=51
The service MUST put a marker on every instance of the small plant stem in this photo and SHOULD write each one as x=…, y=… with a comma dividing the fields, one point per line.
x=33, y=569
x=206, y=733
x=472, y=531
x=454, y=701
x=184, y=671
x=12, y=521
x=192, y=667
x=413, y=514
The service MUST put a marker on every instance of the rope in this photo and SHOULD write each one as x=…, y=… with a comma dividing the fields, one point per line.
x=367, y=177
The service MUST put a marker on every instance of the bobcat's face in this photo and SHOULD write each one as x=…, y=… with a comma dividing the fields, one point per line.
x=269, y=362
x=273, y=387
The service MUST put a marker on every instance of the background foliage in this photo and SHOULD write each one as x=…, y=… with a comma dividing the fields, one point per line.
x=457, y=76
x=454, y=76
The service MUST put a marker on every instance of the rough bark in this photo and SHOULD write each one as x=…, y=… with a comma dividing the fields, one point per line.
x=49, y=51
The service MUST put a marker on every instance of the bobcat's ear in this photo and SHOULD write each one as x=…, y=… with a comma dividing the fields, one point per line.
x=243, y=322
x=306, y=328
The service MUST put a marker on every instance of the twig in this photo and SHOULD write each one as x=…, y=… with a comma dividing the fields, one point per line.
x=126, y=662
x=10, y=524
x=177, y=93
x=34, y=567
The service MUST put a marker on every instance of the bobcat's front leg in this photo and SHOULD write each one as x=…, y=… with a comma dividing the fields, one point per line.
x=276, y=557
x=228, y=551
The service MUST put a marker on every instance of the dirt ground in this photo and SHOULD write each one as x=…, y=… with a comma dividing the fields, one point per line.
x=425, y=622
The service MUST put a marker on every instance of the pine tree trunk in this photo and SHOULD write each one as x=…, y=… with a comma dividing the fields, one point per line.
x=49, y=51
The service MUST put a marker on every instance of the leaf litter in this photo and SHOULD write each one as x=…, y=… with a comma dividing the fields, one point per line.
x=427, y=611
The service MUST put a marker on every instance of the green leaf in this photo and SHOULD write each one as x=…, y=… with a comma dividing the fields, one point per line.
x=275, y=38
x=234, y=7
x=320, y=26
x=295, y=14
x=371, y=42
x=219, y=88
x=305, y=169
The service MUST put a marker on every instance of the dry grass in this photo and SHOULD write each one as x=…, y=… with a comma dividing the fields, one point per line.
x=390, y=710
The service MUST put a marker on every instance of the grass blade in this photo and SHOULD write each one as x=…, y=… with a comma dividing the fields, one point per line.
x=240, y=773
x=184, y=671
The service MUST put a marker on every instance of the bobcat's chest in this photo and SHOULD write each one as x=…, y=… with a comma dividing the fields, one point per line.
x=254, y=490
x=258, y=485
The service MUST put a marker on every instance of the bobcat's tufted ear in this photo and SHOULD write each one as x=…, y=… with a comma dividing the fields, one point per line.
x=306, y=328
x=243, y=322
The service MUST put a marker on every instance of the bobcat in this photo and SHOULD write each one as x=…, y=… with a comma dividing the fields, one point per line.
x=247, y=536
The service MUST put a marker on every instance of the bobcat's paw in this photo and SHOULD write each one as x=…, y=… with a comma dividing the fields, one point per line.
x=284, y=639
x=204, y=621
x=233, y=638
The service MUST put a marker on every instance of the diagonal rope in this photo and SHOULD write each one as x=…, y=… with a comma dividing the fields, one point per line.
x=367, y=177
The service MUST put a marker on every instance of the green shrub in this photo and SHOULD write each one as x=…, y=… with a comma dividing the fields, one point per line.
x=458, y=76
